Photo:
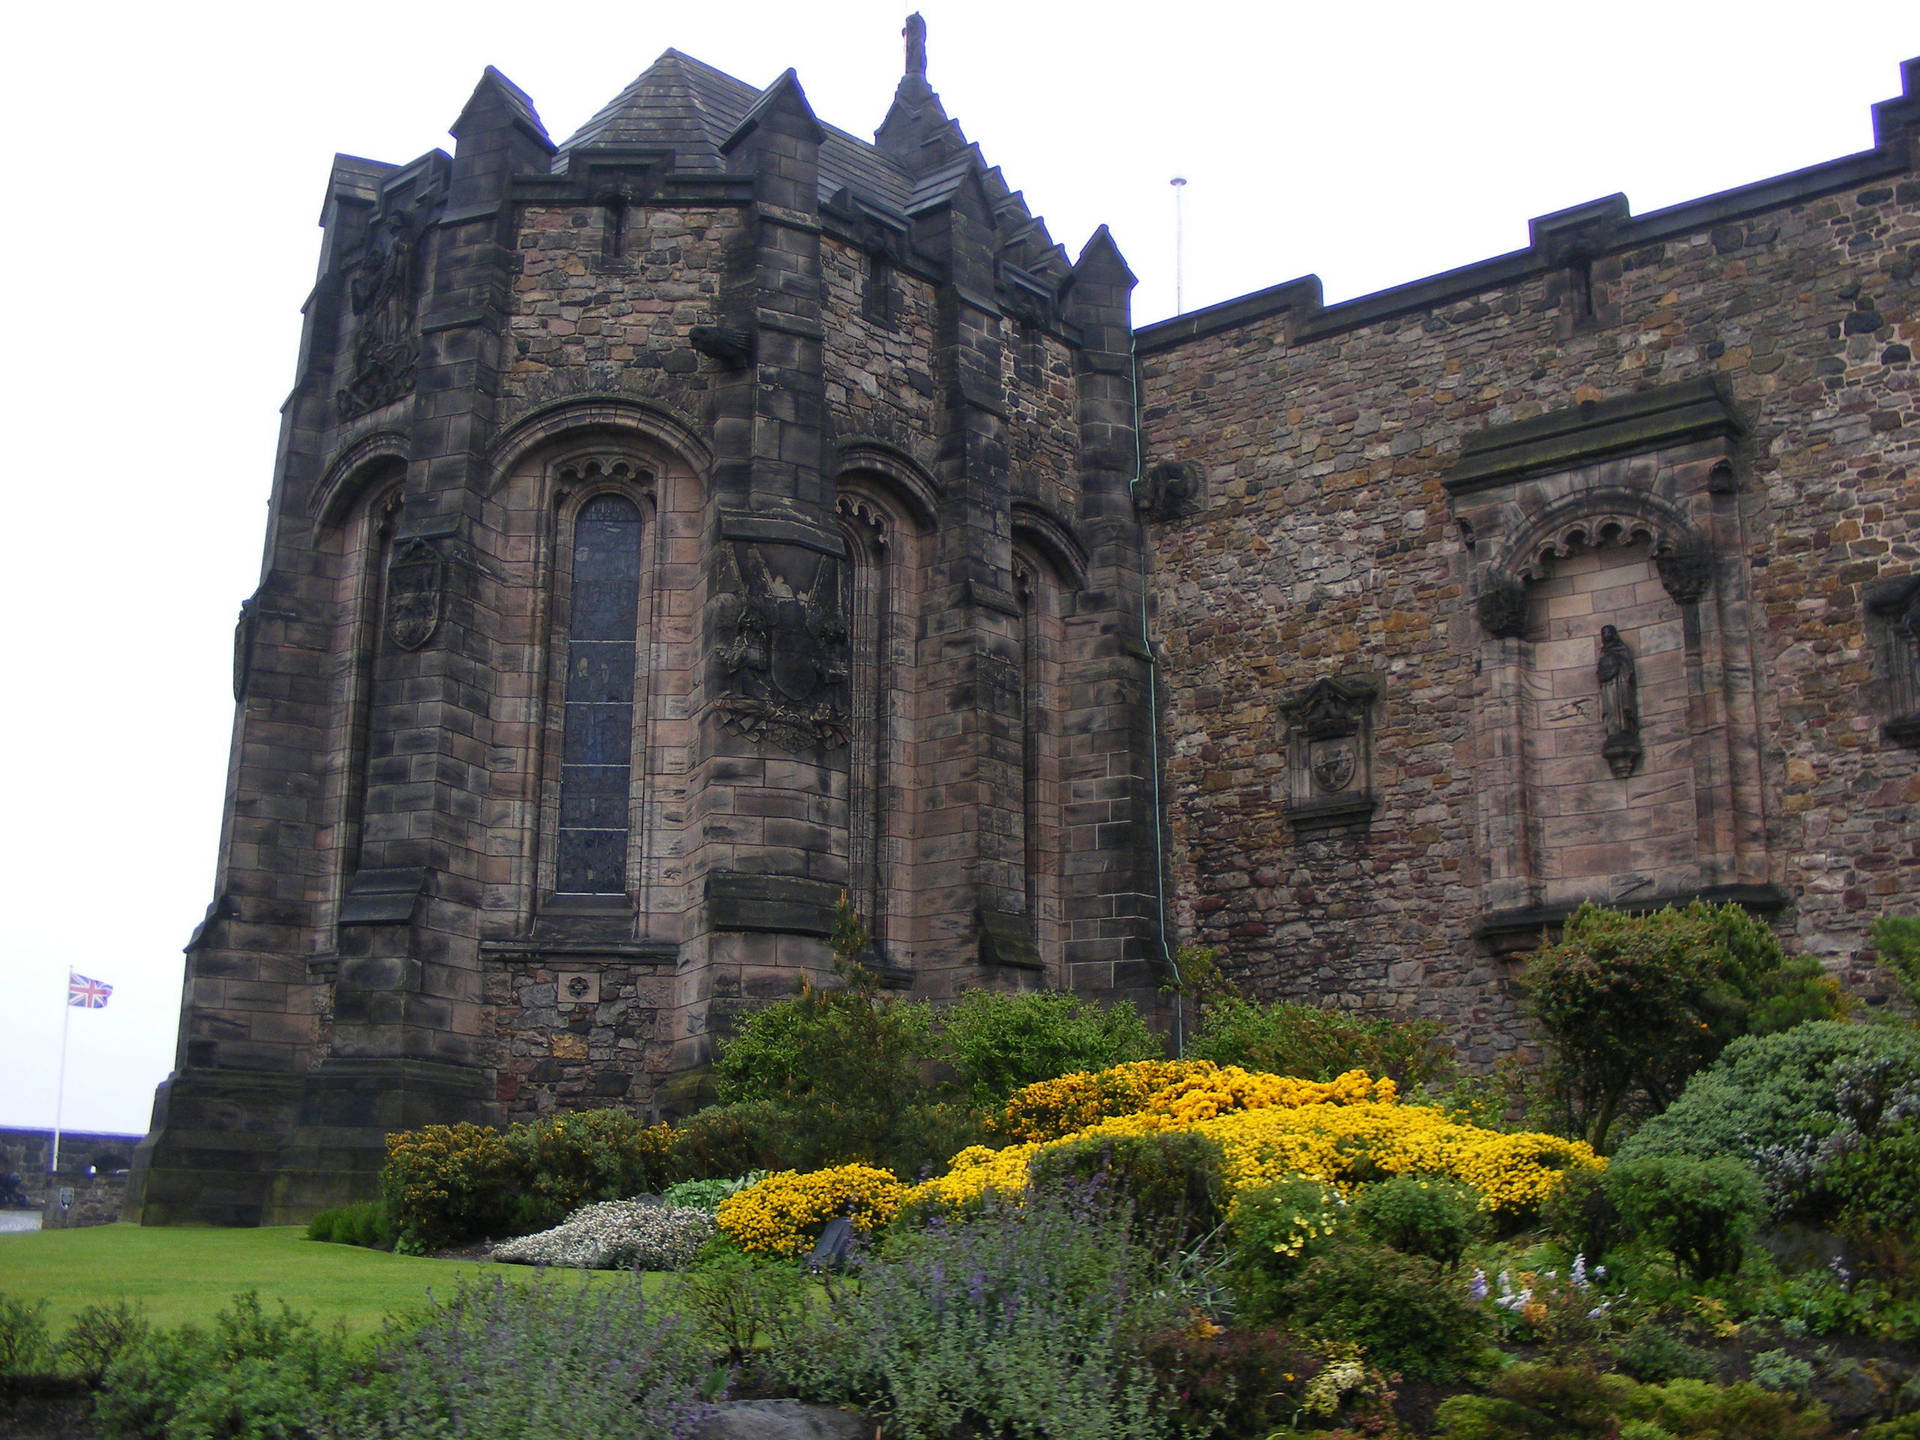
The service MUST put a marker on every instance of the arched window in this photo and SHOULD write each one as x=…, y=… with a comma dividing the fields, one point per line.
x=596, y=761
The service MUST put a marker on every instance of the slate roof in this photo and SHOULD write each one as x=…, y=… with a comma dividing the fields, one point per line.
x=685, y=104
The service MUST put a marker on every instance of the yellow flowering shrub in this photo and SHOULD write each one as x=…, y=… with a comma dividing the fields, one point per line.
x=1059, y=1107
x=976, y=1170
x=445, y=1183
x=780, y=1214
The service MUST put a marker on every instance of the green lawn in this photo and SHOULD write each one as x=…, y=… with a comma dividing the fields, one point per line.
x=187, y=1274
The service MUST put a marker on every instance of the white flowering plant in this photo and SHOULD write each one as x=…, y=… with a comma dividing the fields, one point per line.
x=617, y=1235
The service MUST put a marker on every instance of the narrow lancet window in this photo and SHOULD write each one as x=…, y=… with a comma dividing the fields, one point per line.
x=596, y=761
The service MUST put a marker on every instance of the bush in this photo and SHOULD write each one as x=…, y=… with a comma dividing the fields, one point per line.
x=616, y=1235
x=1403, y=1311
x=999, y=1043
x=1276, y=1229
x=1632, y=1005
x=539, y=1361
x=1172, y=1180
x=1793, y=1106
x=1318, y=1044
x=1653, y=1353
x=1897, y=938
x=1543, y=1401
x=1229, y=1383
x=1700, y=1211
x=558, y=1164
x=707, y=1194
x=254, y=1376
x=1731, y=1412
x=784, y=1213
x=1023, y=1320
x=365, y=1224
x=100, y=1335
x=739, y=1300
x=754, y=1135
x=1583, y=1214
x=445, y=1184
x=844, y=1065
x=1428, y=1215
x=24, y=1346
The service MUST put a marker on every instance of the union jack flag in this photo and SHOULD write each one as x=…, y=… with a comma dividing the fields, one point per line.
x=85, y=994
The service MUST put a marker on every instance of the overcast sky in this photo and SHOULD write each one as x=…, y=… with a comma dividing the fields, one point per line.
x=169, y=163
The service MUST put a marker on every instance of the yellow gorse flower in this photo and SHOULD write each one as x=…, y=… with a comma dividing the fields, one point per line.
x=1268, y=1127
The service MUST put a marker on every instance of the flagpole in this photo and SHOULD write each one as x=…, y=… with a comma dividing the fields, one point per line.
x=60, y=1087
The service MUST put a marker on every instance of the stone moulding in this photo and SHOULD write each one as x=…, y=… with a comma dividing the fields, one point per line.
x=1515, y=931
x=1579, y=435
x=783, y=904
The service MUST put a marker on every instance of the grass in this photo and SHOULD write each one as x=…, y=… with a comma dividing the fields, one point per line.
x=182, y=1274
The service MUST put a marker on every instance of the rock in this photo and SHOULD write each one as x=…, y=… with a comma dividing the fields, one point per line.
x=782, y=1420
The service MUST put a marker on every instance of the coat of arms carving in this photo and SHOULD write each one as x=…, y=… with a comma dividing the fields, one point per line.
x=780, y=638
x=416, y=590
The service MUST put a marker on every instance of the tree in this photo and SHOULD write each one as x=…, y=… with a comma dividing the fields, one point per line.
x=1634, y=1004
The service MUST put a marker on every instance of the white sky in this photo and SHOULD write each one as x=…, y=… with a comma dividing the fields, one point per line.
x=168, y=165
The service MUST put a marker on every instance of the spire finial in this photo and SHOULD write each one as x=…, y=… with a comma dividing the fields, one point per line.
x=916, y=33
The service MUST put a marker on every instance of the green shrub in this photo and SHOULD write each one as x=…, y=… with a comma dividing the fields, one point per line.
x=707, y=1194
x=1582, y=1213
x=101, y=1334
x=1404, y=1311
x=24, y=1346
x=1275, y=1229
x=1543, y=1401
x=1794, y=1106
x=446, y=1184
x=1173, y=1181
x=254, y=1376
x=733, y=1139
x=1730, y=1412
x=1906, y=1427
x=1874, y=1185
x=1897, y=938
x=364, y=1224
x=1653, y=1353
x=540, y=1361
x=1025, y=1320
x=999, y=1043
x=1224, y=1384
x=1316, y=1043
x=1782, y=1370
x=1431, y=1215
x=1632, y=1005
x=739, y=1300
x=562, y=1162
x=1702, y=1212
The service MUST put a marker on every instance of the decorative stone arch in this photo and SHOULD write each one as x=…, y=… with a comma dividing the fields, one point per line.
x=652, y=425
x=1039, y=530
x=1612, y=522
x=364, y=462
x=545, y=472
x=885, y=515
x=905, y=479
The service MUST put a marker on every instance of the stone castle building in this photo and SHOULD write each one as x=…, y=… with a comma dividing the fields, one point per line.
x=680, y=527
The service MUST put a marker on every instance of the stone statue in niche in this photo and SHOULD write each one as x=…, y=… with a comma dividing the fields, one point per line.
x=1619, y=704
x=781, y=645
x=383, y=292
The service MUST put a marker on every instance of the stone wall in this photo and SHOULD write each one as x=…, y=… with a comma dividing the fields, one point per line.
x=1332, y=534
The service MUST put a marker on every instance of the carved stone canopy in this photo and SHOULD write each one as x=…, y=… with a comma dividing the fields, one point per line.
x=1685, y=566
x=1331, y=708
x=1502, y=606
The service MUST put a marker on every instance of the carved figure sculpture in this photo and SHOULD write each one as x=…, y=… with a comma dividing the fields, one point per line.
x=1619, y=703
x=916, y=33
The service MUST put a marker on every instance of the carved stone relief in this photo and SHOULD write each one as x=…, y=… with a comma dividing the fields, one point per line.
x=781, y=643
x=1168, y=490
x=383, y=292
x=416, y=592
x=1502, y=606
x=1330, y=726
